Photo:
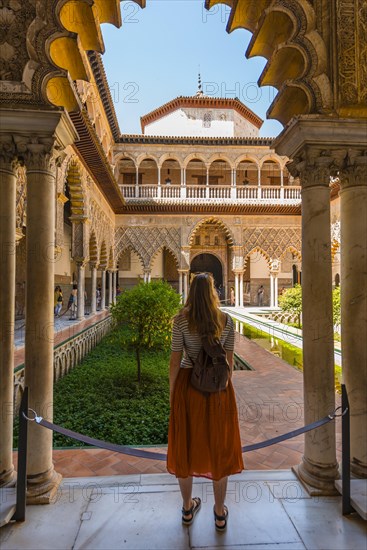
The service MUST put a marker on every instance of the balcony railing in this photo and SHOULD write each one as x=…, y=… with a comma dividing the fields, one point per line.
x=208, y=193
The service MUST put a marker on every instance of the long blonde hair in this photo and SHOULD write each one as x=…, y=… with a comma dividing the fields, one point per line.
x=202, y=308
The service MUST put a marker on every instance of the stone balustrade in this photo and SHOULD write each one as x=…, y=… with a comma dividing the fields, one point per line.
x=67, y=355
x=252, y=194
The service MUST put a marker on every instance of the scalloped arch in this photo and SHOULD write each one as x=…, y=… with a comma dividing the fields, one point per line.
x=73, y=179
x=93, y=248
x=293, y=250
x=132, y=249
x=103, y=258
x=172, y=252
x=217, y=221
x=260, y=251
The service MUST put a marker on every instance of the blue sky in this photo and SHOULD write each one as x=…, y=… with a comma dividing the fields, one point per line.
x=156, y=55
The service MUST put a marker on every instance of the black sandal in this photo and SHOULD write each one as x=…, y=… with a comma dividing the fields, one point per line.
x=221, y=528
x=191, y=511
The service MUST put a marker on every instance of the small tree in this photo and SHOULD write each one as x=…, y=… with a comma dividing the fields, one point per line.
x=291, y=302
x=145, y=313
x=336, y=306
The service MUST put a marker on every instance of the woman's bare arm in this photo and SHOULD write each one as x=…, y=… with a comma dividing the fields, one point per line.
x=174, y=368
x=229, y=355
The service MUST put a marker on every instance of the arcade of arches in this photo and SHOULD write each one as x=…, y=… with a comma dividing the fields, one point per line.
x=80, y=202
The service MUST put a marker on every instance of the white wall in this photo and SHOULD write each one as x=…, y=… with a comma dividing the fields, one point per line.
x=243, y=127
x=189, y=122
x=258, y=266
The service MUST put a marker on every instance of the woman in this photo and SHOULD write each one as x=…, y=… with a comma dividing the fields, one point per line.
x=203, y=438
x=59, y=301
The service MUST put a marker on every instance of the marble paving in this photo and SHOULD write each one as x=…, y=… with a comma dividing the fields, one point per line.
x=267, y=511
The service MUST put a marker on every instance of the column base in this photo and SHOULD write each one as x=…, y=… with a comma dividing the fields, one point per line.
x=43, y=488
x=8, y=478
x=320, y=481
x=358, y=469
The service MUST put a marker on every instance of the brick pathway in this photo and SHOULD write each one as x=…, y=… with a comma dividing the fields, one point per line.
x=270, y=402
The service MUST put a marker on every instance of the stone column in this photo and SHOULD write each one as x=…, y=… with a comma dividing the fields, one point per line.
x=185, y=285
x=40, y=156
x=81, y=288
x=159, y=191
x=103, y=289
x=112, y=287
x=137, y=183
x=271, y=290
x=241, y=289
x=93, y=272
x=314, y=142
x=180, y=283
x=109, y=275
x=319, y=467
x=236, y=289
x=147, y=275
x=353, y=210
x=275, y=289
x=8, y=185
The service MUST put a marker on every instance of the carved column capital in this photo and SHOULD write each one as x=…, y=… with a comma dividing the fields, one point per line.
x=353, y=170
x=39, y=154
x=8, y=153
x=274, y=267
x=314, y=166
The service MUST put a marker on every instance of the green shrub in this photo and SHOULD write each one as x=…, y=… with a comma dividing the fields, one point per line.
x=291, y=302
x=144, y=314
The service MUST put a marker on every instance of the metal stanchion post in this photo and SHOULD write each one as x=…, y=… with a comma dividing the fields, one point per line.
x=347, y=507
x=19, y=514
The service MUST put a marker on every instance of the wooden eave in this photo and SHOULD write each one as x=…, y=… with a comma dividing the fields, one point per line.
x=146, y=206
x=207, y=141
x=96, y=63
x=95, y=160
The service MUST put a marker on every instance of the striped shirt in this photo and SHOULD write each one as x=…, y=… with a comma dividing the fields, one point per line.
x=190, y=343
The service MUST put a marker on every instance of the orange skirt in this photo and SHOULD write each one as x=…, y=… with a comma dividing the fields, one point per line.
x=203, y=436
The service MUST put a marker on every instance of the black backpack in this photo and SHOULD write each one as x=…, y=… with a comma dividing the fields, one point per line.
x=211, y=370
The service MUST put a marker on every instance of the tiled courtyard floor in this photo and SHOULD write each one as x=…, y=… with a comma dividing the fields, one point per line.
x=270, y=402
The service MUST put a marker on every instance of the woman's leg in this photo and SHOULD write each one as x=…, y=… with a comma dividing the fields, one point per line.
x=186, y=491
x=220, y=490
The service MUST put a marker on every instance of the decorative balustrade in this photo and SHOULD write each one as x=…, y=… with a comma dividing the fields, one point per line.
x=67, y=355
x=260, y=193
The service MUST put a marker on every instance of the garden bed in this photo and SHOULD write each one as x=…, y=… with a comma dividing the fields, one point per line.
x=102, y=398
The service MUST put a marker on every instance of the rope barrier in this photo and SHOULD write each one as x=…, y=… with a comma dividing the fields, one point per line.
x=132, y=451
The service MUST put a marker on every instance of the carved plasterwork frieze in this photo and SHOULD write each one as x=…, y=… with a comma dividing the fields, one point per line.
x=352, y=51
x=273, y=241
x=146, y=241
x=101, y=225
x=15, y=18
x=335, y=232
